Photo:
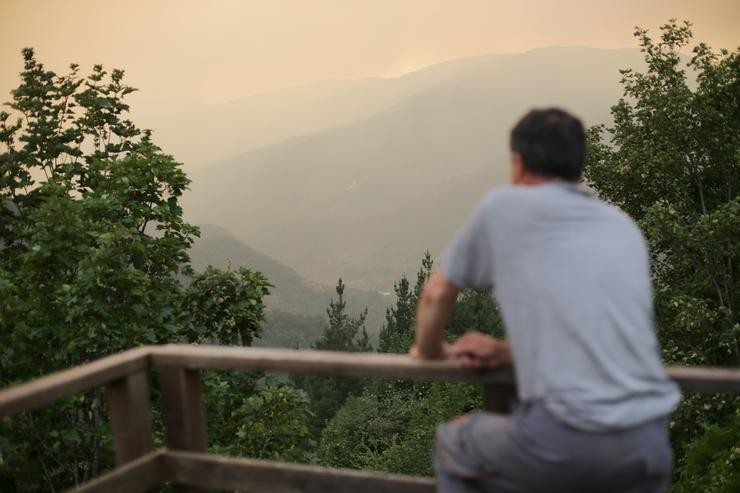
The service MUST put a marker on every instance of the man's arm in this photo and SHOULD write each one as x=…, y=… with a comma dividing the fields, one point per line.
x=479, y=350
x=433, y=313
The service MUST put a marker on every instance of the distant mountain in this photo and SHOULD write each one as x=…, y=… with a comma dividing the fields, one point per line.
x=297, y=308
x=199, y=134
x=364, y=200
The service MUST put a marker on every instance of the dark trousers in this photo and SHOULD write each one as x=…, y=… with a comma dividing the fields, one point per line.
x=531, y=451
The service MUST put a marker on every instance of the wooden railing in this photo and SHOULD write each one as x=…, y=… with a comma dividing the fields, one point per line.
x=185, y=462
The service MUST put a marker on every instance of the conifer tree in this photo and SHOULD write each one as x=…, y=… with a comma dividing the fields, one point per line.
x=397, y=332
x=343, y=333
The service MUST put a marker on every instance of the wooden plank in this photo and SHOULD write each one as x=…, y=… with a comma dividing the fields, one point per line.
x=184, y=413
x=130, y=417
x=143, y=474
x=211, y=471
x=498, y=398
x=44, y=390
x=709, y=380
x=706, y=380
x=323, y=362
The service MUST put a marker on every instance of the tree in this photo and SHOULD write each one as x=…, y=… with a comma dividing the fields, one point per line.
x=343, y=333
x=393, y=430
x=93, y=246
x=672, y=161
x=363, y=429
x=397, y=333
x=92, y=241
x=712, y=462
x=476, y=310
x=257, y=417
x=223, y=307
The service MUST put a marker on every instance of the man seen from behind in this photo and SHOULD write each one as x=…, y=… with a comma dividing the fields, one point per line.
x=571, y=278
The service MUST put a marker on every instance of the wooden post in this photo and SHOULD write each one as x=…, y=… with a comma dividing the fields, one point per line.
x=130, y=417
x=498, y=398
x=184, y=413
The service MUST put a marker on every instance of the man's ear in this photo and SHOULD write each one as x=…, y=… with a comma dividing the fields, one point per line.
x=518, y=172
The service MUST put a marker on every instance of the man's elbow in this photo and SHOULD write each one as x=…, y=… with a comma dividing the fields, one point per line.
x=438, y=291
x=432, y=295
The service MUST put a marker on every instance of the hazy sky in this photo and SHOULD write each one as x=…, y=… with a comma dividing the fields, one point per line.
x=214, y=51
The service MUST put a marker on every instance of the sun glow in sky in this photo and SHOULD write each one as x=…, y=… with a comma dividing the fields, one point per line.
x=200, y=51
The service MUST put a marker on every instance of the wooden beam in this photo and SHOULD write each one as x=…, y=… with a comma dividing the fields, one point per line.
x=184, y=413
x=336, y=363
x=706, y=380
x=143, y=474
x=46, y=390
x=211, y=471
x=130, y=416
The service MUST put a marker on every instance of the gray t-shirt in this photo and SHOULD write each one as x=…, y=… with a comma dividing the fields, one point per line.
x=571, y=278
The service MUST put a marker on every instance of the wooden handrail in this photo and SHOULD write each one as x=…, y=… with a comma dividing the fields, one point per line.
x=382, y=365
x=385, y=365
x=47, y=389
x=706, y=380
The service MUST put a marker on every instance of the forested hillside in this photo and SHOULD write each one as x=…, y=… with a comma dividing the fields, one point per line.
x=296, y=308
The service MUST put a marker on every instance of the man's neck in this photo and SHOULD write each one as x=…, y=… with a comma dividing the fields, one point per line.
x=529, y=180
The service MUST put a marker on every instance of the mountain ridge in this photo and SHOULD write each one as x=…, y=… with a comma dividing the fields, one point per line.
x=364, y=200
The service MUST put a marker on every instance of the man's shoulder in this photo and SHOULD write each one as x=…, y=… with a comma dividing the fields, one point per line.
x=519, y=197
x=552, y=200
x=506, y=194
x=535, y=192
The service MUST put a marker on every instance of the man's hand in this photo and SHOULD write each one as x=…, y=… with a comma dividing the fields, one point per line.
x=477, y=350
